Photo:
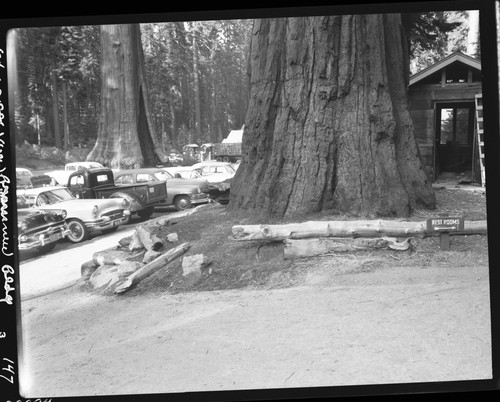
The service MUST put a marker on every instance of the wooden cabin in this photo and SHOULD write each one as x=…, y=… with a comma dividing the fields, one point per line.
x=442, y=105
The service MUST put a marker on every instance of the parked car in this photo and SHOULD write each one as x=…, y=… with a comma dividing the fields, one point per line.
x=181, y=194
x=74, y=166
x=215, y=187
x=100, y=183
x=215, y=172
x=83, y=217
x=40, y=230
x=175, y=157
x=23, y=177
x=26, y=179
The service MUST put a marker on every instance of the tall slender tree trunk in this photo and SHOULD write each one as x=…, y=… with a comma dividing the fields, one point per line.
x=196, y=83
x=65, y=117
x=55, y=108
x=328, y=125
x=126, y=136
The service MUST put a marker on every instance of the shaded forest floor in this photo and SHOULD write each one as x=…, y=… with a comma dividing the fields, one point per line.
x=260, y=265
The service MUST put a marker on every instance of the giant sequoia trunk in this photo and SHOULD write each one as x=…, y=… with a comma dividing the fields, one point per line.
x=328, y=125
x=126, y=137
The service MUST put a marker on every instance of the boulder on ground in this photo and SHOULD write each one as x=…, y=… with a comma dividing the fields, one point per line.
x=87, y=269
x=192, y=266
x=109, y=276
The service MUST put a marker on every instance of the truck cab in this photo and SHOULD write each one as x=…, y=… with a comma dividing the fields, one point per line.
x=84, y=182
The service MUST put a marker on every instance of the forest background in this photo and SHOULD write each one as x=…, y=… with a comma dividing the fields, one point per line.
x=196, y=74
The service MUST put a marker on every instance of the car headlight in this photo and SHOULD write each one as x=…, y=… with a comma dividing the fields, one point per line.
x=94, y=211
x=22, y=225
x=125, y=203
x=64, y=214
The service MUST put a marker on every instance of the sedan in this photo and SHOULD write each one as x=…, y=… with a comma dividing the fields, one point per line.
x=83, y=216
x=215, y=172
x=39, y=230
x=180, y=193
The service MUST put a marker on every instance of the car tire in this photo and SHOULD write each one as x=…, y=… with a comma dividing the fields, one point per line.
x=146, y=213
x=78, y=231
x=46, y=248
x=182, y=202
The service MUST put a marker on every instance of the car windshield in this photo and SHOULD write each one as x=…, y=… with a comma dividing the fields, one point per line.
x=53, y=197
x=163, y=176
x=23, y=173
x=196, y=174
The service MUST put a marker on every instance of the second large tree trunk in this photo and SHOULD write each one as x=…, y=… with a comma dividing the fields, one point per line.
x=126, y=137
x=328, y=125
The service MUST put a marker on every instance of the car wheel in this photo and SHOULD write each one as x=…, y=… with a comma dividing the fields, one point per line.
x=46, y=248
x=78, y=231
x=182, y=202
x=146, y=213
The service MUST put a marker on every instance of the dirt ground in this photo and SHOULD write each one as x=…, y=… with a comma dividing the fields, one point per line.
x=256, y=321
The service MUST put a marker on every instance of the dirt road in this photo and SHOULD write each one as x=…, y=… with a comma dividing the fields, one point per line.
x=390, y=325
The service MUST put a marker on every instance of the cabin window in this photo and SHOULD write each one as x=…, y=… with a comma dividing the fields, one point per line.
x=144, y=178
x=102, y=178
x=125, y=179
x=77, y=180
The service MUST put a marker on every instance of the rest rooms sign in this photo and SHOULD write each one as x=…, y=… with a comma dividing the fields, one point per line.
x=445, y=224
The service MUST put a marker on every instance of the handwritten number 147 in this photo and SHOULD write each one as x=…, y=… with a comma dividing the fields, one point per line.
x=10, y=369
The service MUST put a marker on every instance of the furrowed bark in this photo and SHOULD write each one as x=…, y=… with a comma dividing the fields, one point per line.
x=328, y=124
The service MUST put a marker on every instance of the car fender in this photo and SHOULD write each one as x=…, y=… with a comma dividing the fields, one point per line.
x=135, y=203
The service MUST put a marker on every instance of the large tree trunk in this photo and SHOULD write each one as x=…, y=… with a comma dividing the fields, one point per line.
x=328, y=125
x=126, y=136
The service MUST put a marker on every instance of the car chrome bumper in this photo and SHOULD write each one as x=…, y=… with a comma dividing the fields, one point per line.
x=28, y=242
x=107, y=223
x=199, y=198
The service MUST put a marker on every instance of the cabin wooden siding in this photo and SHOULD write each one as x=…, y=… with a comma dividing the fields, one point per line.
x=422, y=101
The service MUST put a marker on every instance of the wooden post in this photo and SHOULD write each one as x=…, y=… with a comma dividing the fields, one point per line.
x=444, y=240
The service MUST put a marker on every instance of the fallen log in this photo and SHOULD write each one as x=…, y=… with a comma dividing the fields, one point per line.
x=354, y=229
x=151, y=268
x=148, y=238
x=300, y=248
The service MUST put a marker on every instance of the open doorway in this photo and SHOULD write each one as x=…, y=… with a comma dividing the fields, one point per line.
x=454, y=141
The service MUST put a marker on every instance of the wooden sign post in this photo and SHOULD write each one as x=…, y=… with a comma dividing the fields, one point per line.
x=445, y=225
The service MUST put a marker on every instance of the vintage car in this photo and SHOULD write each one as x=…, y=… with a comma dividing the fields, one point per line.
x=175, y=157
x=180, y=193
x=60, y=177
x=83, y=216
x=23, y=177
x=74, y=166
x=39, y=230
x=215, y=172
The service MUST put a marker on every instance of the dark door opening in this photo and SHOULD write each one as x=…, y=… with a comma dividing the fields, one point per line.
x=454, y=141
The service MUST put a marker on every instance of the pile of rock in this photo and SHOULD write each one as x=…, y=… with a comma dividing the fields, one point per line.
x=118, y=269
